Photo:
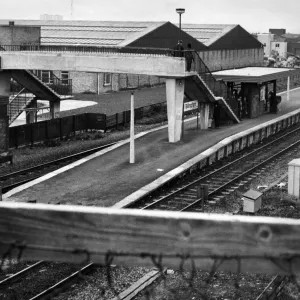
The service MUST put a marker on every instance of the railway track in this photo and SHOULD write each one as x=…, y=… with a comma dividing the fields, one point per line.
x=27, y=278
x=274, y=288
x=11, y=180
x=223, y=178
x=221, y=181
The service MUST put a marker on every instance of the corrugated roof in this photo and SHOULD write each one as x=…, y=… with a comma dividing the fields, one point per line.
x=115, y=33
x=102, y=33
x=207, y=33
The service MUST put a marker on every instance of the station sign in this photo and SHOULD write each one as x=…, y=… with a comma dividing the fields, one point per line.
x=191, y=105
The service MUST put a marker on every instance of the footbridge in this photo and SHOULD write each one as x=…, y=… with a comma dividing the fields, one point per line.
x=195, y=84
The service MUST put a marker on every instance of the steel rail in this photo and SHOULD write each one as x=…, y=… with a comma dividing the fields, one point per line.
x=276, y=283
x=35, y=168
x=21, y=273
x=239, y=177
x=198, y=180
x=51, y=290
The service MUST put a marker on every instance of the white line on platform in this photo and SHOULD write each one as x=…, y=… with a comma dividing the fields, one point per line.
x=78, y=162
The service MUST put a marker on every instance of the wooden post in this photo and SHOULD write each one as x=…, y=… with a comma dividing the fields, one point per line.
x=132, y=154
x=182, y=121
x=288, y=89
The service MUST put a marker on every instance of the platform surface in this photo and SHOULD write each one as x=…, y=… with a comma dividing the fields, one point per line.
x=109, y=178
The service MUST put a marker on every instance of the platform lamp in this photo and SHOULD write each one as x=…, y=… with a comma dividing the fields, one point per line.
x=180, y=11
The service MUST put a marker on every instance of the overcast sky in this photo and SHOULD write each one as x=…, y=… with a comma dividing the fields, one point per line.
x=253, y=15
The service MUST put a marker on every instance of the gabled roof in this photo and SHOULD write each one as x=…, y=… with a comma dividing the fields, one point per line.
x=207, y=33
x=96, y=33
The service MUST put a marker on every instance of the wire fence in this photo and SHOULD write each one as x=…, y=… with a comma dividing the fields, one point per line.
x=186, y=243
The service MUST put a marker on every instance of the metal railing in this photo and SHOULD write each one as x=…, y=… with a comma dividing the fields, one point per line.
x=58, y=85
x=19, y=99
x=218, y=88
x=89, y=49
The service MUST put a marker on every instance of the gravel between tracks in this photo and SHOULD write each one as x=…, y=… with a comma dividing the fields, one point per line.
x=96, y=287
x=222, y=285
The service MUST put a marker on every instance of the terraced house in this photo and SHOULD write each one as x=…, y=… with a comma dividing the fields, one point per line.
x=220, y=46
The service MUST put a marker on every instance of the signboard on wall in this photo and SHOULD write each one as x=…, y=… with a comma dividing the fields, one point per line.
x=263, y=93
x=191, y=105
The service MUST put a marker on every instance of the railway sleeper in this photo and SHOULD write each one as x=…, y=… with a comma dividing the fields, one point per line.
x=190, y=193
x=217, y=199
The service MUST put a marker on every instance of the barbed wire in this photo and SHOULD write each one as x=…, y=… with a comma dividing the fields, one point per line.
x=187, y=269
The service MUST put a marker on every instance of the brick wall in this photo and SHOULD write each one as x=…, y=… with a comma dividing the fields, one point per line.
x=16, y=35
x=92, y=82
x=84, y=82
x=228, y=59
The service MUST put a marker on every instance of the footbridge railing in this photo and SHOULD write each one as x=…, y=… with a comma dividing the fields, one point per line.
x=89, y=49
x=218, y=88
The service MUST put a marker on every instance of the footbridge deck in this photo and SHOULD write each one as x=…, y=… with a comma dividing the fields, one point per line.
x=144, y=61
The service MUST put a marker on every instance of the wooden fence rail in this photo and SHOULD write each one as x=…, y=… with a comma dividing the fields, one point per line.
x=73, y=233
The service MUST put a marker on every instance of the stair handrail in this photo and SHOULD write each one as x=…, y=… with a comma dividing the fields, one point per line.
x=57, y=85
x=207, y=71
x=20, y=103
x=224, y=91
x=15, y=96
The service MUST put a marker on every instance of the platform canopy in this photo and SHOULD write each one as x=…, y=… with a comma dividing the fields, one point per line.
x=254, y=74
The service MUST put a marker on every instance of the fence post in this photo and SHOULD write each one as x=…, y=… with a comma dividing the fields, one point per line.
x=46, y=130
x=16, y=134
x=74, y=120
x=104, y=123
x=202, y=192
x=117, y=121
x=60, y=129
x=124, y=118
x=31, y=135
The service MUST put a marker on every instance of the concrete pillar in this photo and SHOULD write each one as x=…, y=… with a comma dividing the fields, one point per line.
x=4, y=118
x=54, y=109
x=294, y=178
x=31, y=115
x=204, y=115
x=174, y=93
x=288, y=88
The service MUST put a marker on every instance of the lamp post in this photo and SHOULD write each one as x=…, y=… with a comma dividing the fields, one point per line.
x=180, y=11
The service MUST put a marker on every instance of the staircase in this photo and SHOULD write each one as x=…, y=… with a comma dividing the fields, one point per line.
x=32, y=87
x=211, y=89
x=18, y=102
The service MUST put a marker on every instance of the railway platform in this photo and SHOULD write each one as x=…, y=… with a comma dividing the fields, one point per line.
x=106, y=178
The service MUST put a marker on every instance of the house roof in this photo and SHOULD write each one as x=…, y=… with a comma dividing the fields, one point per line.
x=96, y=33
x=207, y=33
x=114, y=33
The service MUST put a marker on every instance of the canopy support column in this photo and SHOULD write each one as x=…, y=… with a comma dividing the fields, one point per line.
x=175, y=94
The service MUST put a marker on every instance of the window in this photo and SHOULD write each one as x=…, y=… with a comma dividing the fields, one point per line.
x=46, y=76
x=265, y=45
x=107, y=78
x=64, y=76
x=277, y=45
